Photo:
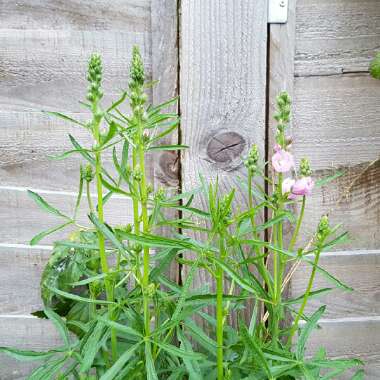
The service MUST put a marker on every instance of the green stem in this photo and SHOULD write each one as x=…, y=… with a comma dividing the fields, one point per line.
x=102, y=249
x=262, y=267
x=146, y=257
x=298, y=226
x=219, y=312
x=305, y=298
x=88, y=194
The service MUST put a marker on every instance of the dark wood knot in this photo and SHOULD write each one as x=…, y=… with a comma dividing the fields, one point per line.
x=225, y=146
x=168, y=164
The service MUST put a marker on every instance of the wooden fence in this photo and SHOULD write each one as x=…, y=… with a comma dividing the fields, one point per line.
x=227, y=65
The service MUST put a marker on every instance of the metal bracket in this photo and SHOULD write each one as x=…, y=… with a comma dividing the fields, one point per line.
x=277, y=11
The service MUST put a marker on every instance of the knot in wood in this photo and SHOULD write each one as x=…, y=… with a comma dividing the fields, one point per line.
x=224, y=147
x=168, y=163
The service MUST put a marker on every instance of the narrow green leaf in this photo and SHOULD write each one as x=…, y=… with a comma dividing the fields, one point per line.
x=191, y=365
x=106, y=232
x=77, y=298
x=119, y=327
x=149, y=364
x=119, y=364
x=92, y=346
x=255, y=348
x=326, y=180
x=59, y=325
x=179, y=352
x=45, y=233
x=307, y=330
x=167, y=147
x=44, y=205
x=311, y=295
x=65, y=117
x=25, y=355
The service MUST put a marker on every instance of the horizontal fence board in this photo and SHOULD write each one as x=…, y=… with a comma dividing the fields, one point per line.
x=45, y=69
x=20, y=274
x=336, y=120
x=358, y=269
x=336, y=36
x=76, y=14
x=354, y=200
x=21, y=218
x=25, y=333
x=28, y=139
x=351, y=337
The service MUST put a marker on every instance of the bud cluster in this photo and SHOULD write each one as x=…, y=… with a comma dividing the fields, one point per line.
x=94, y=76
x=284, y=108
x=252, y=159
x=323, y=229
x=136, y=81
x=305, y=169
x=87, y=174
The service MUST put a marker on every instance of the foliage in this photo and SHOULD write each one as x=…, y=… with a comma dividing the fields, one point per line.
x=106, y=288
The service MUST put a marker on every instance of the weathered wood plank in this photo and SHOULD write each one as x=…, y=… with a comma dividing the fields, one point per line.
x=359, y=211
x=20, y=275
x=27, y=139
x=123, y=15
x=336, y=36
x=45, y=69
x=351, y=337
x=358, y=269
x=27, y=333
x=222, y=86
x=165, y=39
x=21, y=218
x=336, y=120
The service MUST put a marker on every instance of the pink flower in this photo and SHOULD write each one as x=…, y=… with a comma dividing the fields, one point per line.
x=303, y=186
x=287, y=185
x=277, y=147
x=282, y=161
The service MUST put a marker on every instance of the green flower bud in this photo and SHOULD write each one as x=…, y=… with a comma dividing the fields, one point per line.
x=160, y=194
x=94, y=76
x=150, y=291
x=252, y=159
x=305, y=169
x=87, y=173
x=136, y=71
x=137, y=174
x=323, y=228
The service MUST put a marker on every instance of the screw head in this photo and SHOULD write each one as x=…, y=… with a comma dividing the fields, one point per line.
x=282, y=3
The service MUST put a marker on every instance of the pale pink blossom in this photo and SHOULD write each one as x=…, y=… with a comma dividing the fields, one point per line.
x=303, y=186
x=277, y=147
x=287, y=185
x=282, y=161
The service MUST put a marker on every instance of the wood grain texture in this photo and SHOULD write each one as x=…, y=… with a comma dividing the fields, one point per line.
x=46, y=69
x=351, y=337
x=358, y=269
x=336, y=36
x=26, y=333
x=222, y=86
x=21, y=218
x=165, y=67
x=123, y=15
x=20, y=275
x=336, y=120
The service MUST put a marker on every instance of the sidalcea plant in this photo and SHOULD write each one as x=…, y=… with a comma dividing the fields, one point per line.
x=106, y=287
